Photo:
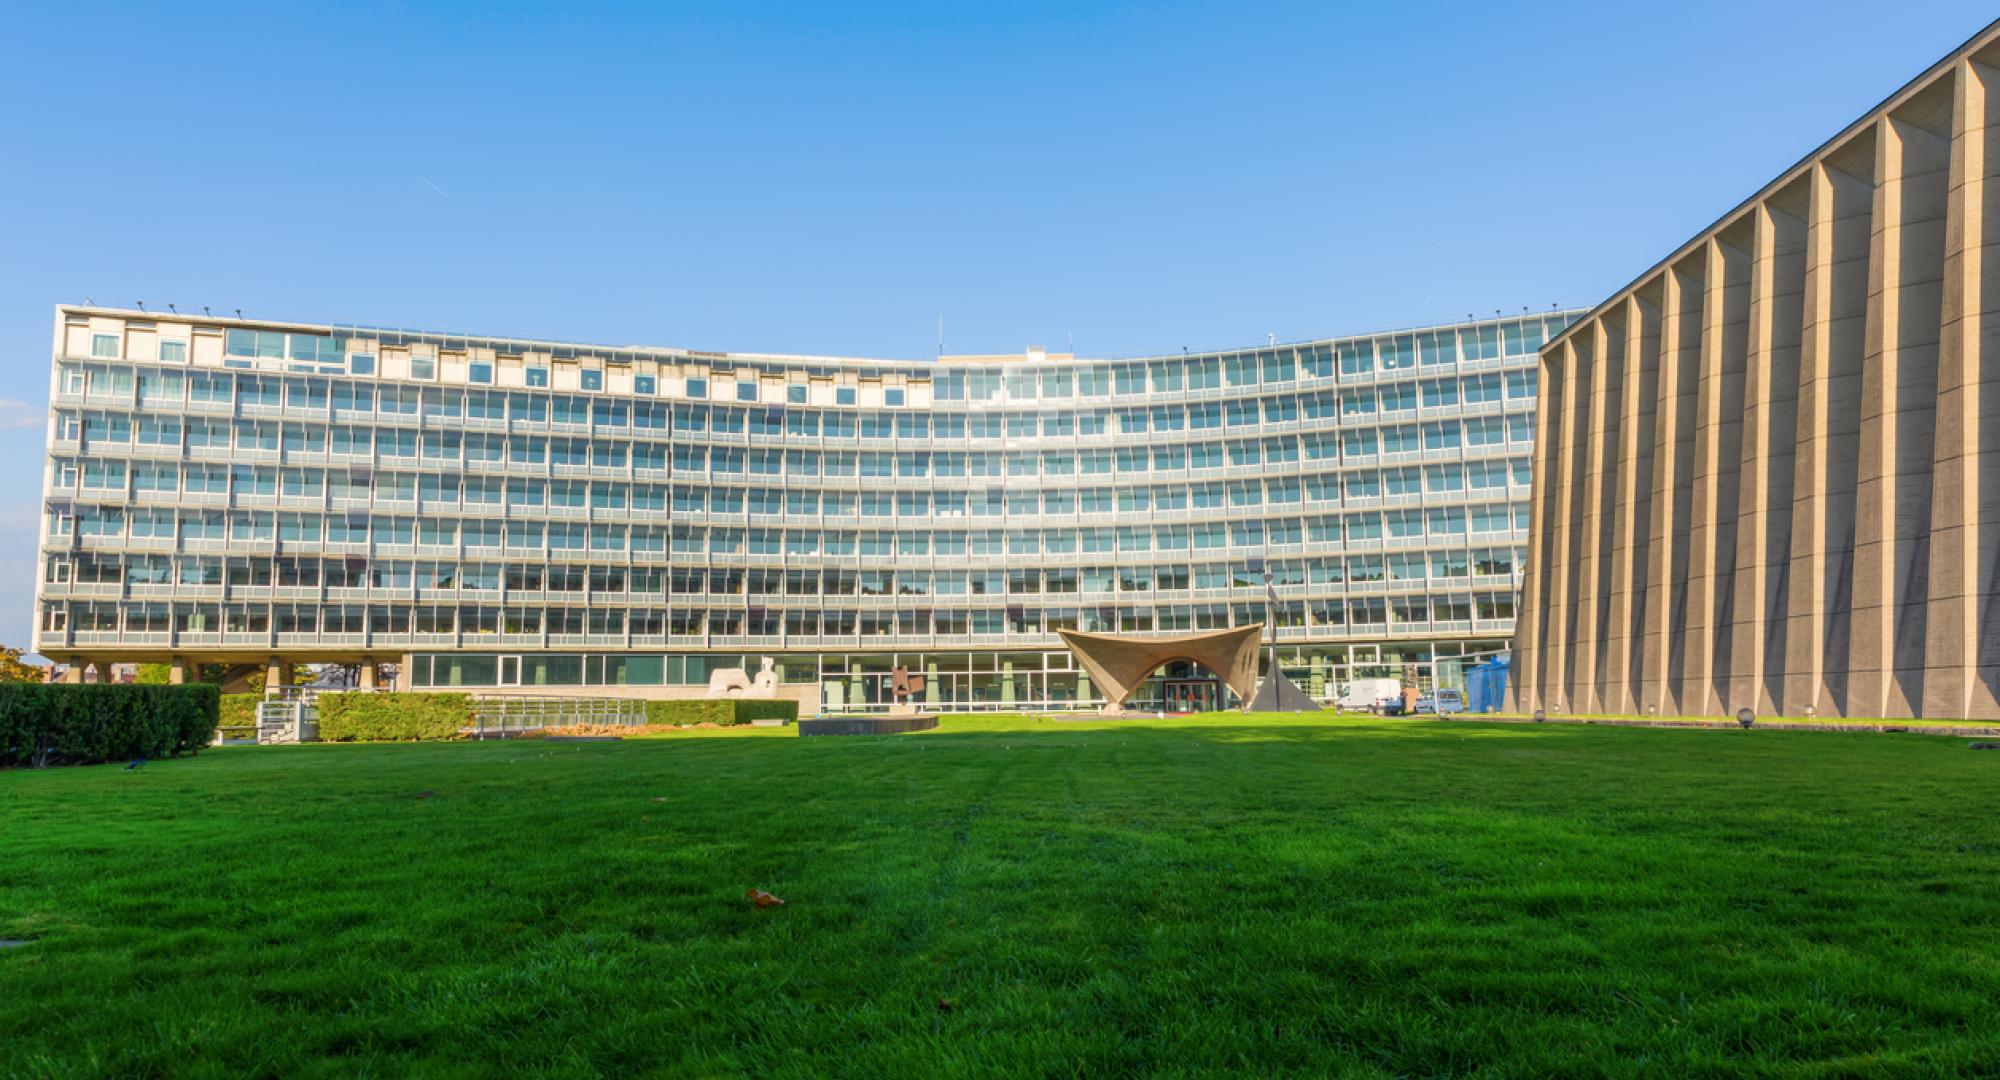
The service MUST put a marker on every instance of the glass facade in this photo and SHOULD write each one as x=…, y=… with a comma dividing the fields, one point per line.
x=507, y=512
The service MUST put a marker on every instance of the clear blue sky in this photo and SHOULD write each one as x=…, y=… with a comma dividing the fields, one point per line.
x=832, y=178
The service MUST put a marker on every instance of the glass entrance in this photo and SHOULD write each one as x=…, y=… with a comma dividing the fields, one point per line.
x=1191, y=695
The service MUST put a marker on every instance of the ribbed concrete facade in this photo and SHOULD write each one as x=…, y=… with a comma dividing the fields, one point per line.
x=1765, y=478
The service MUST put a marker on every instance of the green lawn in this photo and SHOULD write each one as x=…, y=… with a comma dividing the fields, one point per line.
x=1223, y=895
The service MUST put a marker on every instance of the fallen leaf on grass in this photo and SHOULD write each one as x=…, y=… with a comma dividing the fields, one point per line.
x=763, y=899
x=946, y=1005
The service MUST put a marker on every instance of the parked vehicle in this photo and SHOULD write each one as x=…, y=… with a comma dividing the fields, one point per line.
x=1371, y=695
x=1442, y=702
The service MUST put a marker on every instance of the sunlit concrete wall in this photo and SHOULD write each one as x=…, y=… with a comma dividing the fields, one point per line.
x=1764, y=478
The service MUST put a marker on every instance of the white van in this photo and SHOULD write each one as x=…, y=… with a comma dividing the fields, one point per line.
x=1371, y=695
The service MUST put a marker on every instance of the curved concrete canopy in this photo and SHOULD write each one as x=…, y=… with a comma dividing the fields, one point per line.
x=1121, y=663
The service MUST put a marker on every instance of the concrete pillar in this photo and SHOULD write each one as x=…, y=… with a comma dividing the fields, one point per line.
x=177, y=671
x=274, y=675
x=1673, y=485
x=1829, y=421
x=1631, y=515
x=369, y=673
x=73, y=673
x=1590, y=554
x=1716, y=470
x=1526, y=690
x=1563, y=430
x=1899, y=415
x=1770, y=431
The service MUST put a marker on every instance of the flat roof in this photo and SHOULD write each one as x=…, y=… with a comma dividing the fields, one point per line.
x=676, y=355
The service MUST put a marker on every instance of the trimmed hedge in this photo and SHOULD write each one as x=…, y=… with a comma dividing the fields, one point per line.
x=91, y=723
x=725, y=712
x=239, y=712
x=373, y=717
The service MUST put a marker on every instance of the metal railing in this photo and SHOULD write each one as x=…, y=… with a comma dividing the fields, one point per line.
x=287, y=720
x=501, y=716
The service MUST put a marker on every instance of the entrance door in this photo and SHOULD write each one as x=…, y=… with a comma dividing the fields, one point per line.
x=1192, y=695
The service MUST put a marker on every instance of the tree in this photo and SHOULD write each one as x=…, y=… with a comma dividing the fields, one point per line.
x=12, y=669
x=154, y=674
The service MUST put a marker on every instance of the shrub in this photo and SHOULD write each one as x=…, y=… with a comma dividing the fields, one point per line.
x=773, y=709
x=239, y=712
x=724, y=712
x=196, y=712
x=87, y=724
x=372, y=717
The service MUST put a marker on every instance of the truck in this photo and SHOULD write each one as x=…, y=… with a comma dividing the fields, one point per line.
x=1371, y=695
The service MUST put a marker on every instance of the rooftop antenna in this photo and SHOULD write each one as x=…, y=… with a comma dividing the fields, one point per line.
x=204, y=309
x=239, y=313
x=141, y=303
x=173, y=309
x=940, y=335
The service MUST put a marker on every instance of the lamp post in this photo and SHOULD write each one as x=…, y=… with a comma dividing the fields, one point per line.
x=1271, y=611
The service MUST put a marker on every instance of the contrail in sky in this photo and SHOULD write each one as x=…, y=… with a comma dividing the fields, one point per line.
x=436, y=188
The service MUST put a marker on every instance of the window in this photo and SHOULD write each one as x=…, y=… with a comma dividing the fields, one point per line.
x=315, y=349
x=481, y=372
x=263, y=344
x=173, y=352
x=1397, y=353
x=361, y=364
x=104, y=345
x=746, y=391
x=843, y=395
x=644, y=384
x=892, y=396
x=423, y=367
x=697, y=388
x=795, y=395
x=538, y=376
x=593, y=379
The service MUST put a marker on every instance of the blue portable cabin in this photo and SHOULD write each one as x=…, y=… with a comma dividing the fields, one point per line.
x=1486, y=685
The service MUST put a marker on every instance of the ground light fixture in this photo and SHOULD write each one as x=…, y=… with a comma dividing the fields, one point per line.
x=1541, y=717
x=1746, y=718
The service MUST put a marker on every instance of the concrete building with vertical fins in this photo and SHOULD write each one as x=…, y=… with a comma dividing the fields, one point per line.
x=1765, y=478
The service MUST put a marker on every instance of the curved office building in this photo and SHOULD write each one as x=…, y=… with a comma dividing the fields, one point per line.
x=525, y=516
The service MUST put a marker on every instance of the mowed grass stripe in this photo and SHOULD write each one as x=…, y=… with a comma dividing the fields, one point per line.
x=1012, y=896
